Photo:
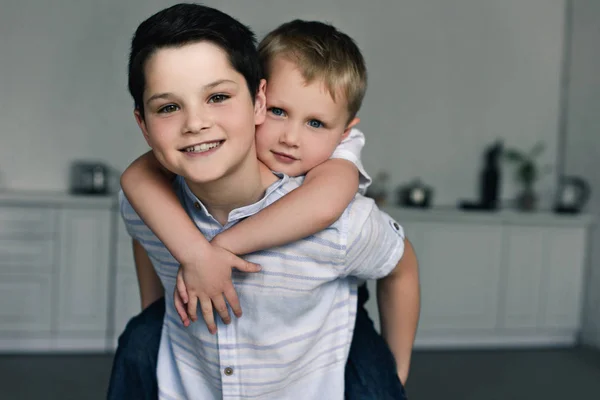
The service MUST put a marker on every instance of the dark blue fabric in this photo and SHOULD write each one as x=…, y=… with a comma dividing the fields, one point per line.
x=371, y=368
x=370, y=371
x=133, y=373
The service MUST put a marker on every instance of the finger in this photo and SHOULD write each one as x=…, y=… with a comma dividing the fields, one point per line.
x=180, y=308
x=221, y=307
x=181, y=287
x=191, y=308
x=232, y=299
x=207, y=314
x=246, y=266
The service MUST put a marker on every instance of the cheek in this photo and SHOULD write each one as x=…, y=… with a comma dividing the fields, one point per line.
x=319, y=148
x=264, y=136
x=159, y=133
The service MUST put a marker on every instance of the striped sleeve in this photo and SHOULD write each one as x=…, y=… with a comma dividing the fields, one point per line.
x=374, y=241
x=132, y=221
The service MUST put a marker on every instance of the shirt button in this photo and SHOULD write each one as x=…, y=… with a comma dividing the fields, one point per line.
x=228, y=371
x=396, y=226
x=197, y=205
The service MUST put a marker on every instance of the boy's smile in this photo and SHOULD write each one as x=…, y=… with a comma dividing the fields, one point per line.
x=303, y=125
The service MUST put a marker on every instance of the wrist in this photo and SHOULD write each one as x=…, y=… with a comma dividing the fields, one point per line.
x=220, y=241
x=193, y=251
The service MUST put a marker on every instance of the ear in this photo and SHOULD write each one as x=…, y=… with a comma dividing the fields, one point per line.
x=260, y=103
x=349, y=127
x=139, y=118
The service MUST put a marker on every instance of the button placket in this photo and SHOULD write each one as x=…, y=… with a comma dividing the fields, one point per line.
x=229, y=359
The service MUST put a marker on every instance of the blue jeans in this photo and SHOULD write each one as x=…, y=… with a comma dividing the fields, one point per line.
x=370, y=370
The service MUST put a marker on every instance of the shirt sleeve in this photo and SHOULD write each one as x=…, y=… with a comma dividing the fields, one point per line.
x=350, y=150
x=375, y=241
x=133, y=223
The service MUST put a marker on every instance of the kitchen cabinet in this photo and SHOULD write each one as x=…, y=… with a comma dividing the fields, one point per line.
x=496, y=279
x=504, y=279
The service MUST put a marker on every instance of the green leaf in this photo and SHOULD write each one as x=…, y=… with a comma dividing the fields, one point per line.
x=527, y=173
x=514, y=155
x=537, y=149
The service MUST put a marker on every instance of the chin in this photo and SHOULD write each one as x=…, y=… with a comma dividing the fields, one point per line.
x=203, y=177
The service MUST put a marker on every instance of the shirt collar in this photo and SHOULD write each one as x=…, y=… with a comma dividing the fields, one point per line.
x=238, y=213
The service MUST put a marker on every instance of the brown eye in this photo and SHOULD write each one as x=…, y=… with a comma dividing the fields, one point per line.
x=169, y=108
x=218, y=98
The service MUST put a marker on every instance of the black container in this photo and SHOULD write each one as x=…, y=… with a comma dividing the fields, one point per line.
x=89, y=178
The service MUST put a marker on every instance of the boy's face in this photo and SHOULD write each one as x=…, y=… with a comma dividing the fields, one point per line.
x=303, y=125
x=199, y=118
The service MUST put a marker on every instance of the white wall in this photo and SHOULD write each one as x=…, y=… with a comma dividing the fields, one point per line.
x=446, y=78
x=583, y=139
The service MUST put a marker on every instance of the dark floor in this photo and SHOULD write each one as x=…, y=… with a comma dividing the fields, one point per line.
x=572, y=374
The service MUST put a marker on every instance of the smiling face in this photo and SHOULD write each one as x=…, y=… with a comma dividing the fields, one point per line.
x=303, y=125
x=199, y=117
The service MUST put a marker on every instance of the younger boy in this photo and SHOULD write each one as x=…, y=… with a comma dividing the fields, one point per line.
x=287, y=148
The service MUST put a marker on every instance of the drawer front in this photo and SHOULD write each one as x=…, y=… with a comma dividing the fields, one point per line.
x=26, y=255
x=21, y=222
x=25, y=302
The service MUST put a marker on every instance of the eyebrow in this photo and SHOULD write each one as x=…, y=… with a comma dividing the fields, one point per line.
x=208, y=86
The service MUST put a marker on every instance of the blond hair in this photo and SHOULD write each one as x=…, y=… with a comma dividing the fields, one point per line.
x=322, y=52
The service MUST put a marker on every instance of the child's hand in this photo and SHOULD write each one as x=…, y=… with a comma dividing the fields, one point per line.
x=179, y=304
x=208, y=280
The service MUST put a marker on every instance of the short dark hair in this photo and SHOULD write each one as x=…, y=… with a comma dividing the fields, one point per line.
x=186, y=23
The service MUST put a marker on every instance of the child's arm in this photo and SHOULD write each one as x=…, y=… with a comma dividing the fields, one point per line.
x=147, y=185
x=316, y=204
x=207, y=269
x=398, y=298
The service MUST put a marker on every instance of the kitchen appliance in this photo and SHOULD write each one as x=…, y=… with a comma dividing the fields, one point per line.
x=89, y=178
x=572, y=195
x=415, y=194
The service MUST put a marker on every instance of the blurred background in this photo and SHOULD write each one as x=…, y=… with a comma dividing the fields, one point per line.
x=482, y=123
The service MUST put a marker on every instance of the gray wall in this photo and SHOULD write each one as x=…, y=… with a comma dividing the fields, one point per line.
x=446, y=78
x=583, y=138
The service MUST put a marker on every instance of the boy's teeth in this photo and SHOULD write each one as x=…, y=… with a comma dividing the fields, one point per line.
x=199, y=148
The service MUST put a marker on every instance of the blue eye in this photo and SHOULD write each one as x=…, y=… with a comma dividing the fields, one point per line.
x=218, y=98
x=169, y=108
x=277, y=111
x=314, y=123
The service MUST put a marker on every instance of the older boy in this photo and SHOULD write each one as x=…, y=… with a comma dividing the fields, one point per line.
x=197, y=92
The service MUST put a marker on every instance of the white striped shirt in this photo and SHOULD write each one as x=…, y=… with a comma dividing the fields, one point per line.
x=294, y=337
x=350, y=149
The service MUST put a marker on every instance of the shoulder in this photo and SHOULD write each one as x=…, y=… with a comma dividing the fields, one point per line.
x=358, y=211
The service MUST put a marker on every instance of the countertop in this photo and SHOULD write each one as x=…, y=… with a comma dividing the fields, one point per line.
x=26, y=198
x=503, y=216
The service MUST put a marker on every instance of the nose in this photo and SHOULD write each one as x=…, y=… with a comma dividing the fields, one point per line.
x=196, y=120
x=290, y=136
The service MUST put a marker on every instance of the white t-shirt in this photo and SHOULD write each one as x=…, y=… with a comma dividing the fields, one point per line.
x=350, y=150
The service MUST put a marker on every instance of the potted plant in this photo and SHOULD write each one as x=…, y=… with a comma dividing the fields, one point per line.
x=527, y=172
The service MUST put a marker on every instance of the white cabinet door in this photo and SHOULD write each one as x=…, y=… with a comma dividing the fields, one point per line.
x=127, y=292
x=459, y=268
x=84, y=267
x=564, y=253
x=25, y=303
x=523, y=277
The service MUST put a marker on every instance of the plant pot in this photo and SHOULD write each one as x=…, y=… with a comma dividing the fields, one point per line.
x=527, y=200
